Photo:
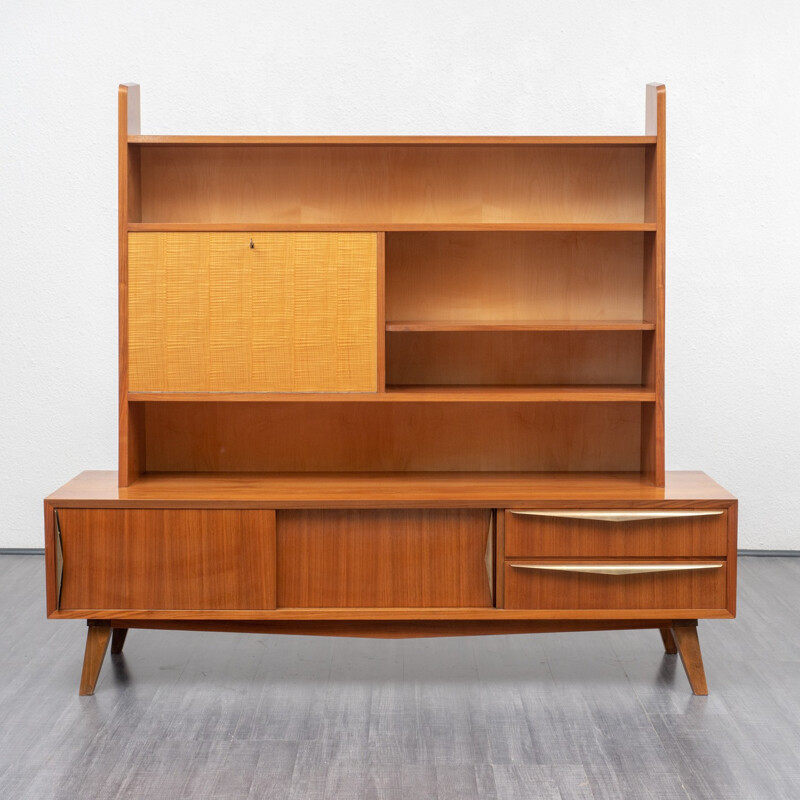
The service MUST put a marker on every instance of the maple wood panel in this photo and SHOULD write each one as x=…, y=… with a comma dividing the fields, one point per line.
x=167, y=559
x=384, y=183
x=365, y=437
x=280, y=312
x=544, y=536
x=699, y=589
x=511, y=358
x=378, y=559
x=499, y=276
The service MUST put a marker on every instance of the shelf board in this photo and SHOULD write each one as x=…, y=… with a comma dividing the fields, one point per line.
x=420, y=394
x=378, y=227
x=522, y=394
x=543, y=325
x=394, y=140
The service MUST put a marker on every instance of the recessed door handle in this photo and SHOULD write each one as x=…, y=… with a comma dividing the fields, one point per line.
x=617, y=569
x=617, y=516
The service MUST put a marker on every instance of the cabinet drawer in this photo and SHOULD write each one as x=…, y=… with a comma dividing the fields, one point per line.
x=615, y=585
x=166, y=559
x=381, y=559
x=617, y=533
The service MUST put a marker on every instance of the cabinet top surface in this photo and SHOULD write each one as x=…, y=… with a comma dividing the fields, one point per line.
x=388, y=490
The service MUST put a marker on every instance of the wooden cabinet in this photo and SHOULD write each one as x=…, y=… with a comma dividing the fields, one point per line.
x=391, y=386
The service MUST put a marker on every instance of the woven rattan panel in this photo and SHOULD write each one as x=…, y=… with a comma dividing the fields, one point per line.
x=296, y=312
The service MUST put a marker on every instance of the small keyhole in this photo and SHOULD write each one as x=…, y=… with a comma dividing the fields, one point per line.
x=252, y=245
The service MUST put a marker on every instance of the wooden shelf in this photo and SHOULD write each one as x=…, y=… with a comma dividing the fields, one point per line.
x=420, y=394
x=543, y=325
x=378, y=227
x=522, y=394
x=394, y=140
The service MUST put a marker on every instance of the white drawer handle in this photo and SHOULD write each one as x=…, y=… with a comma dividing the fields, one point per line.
x=617, y=569
x=617, y=516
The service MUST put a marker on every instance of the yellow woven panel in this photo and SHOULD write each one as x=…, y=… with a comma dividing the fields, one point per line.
x=295, y=313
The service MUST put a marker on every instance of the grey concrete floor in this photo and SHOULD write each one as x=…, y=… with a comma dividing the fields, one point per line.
x=589, y=715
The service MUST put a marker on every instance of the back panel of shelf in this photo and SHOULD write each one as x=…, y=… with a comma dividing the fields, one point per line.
x=382, y=184
x=386, y=437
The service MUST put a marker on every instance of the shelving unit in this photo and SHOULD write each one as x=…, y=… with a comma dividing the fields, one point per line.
x=354, y=369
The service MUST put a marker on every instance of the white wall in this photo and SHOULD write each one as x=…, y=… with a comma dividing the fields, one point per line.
x=409, y=67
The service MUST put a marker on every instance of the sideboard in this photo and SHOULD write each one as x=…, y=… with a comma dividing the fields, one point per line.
x=391, y=387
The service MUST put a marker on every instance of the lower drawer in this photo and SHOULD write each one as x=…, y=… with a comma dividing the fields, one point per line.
x=384, y=558
x=615, y=585
x=191, y=559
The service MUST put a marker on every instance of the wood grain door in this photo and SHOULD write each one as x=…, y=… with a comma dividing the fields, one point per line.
x=157, y=559
x=260, y=312
x=390, y=558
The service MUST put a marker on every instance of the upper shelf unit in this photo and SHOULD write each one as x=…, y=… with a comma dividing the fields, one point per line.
x=384, y=183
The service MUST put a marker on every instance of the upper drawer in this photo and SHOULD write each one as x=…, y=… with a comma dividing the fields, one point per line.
x=260, y=312
x=616, y=533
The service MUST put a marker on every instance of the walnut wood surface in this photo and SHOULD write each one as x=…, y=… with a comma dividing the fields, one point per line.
x=669, y=641
x=543, y=589
x=467, y=326
x=97, y=638
x=380, y=302
x=99, y=489
x=380, y=184
x=396, y=630
x=168, y=559
x=131, y=433
x=379, y=437
x=502, y=277
x=483, y=393
x=386, y=226
x=116, y=615
x=654, y=280
x=118, y=640
x=502, y=357
x=279, y=312
x=688, y=645
x=688, y=537
x=409, y=558
x=137, y=138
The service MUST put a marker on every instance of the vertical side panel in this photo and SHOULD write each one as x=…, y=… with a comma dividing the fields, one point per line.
x=50, y=558
x=500, y=551
x=655, y=209
x=381, y=308
x=733, y=533
x=130, y=442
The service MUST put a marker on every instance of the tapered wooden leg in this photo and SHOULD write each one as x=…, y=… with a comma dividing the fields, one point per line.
x=666, y=637
x=685, y=634
x=97, y=639
x=118, y=640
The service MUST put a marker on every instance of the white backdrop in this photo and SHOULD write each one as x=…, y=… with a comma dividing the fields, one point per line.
x=409, y=67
